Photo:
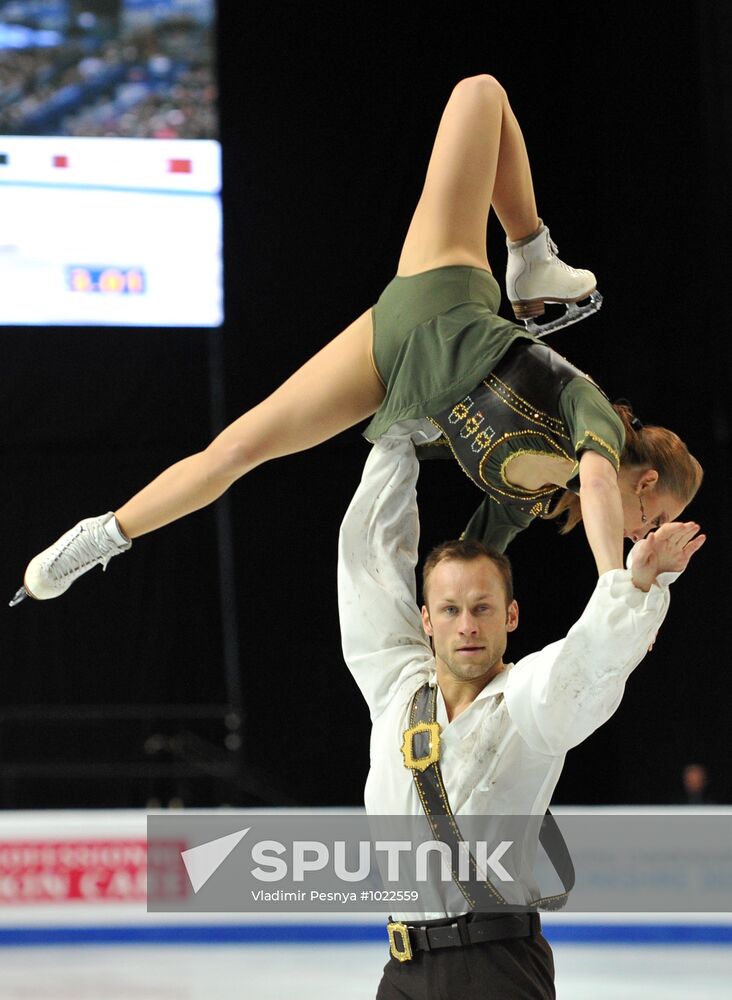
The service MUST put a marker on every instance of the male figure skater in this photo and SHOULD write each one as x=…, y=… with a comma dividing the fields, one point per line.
x=504, y=729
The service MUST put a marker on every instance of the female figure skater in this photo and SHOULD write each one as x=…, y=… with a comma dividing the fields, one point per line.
x=523, y=423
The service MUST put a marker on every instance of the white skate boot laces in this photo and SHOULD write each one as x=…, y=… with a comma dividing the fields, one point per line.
x=554, y=251
x=87, y=545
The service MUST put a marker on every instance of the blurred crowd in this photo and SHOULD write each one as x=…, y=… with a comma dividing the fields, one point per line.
x=153, y=83
x=30, y=77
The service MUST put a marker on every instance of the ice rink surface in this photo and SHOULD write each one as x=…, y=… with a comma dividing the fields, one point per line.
x=341, y=972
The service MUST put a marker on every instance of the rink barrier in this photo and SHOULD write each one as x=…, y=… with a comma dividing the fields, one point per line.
x=282, y=934
x=78, y=877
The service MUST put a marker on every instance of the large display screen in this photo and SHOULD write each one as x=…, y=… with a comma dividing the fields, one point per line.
x=110, y=210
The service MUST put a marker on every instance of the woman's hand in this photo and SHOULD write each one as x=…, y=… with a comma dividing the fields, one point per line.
x=667, y=550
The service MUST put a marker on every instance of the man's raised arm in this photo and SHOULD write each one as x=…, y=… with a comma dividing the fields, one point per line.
x=381, y=628
x=560, y=695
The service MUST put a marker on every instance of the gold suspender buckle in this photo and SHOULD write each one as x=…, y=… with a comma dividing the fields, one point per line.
x=399, y=944
x=433, y=753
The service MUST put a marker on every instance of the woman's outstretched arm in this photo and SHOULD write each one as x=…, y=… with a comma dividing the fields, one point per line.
x=602, y=510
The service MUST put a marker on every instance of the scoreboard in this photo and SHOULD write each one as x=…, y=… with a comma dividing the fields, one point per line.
x=110, y=231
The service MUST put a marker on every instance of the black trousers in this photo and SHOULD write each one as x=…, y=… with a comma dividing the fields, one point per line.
x=513, y=969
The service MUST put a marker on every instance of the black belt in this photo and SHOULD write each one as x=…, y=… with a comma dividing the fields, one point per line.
x=405, y=939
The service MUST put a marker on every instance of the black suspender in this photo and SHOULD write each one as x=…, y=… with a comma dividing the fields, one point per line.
x=421, y=751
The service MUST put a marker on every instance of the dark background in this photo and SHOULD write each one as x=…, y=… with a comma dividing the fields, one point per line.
x=118, y=693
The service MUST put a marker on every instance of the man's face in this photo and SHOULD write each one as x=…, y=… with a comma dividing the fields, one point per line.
x=468, y=619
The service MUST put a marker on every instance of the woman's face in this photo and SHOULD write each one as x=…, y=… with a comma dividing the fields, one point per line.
x=646, y=505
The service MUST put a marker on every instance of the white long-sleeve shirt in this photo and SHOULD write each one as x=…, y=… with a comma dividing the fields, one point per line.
x=505, y=752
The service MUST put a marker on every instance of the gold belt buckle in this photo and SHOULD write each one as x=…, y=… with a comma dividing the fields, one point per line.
x=403, y=954
x=433, y=754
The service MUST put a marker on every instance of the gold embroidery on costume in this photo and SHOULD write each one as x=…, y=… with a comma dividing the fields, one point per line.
x=524, y=490
x=515, y=411
x=446, y=440
x=523, y=407
x=482, y=440
x=471, y=425
x=512, y=491
x=602, y=443
x=461, y=410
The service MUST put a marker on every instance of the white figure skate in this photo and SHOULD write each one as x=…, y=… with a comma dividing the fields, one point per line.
x=90, y=543
x=535, y=275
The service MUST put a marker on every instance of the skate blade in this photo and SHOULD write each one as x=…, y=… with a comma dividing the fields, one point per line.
x=20, y=595
x=574, y=314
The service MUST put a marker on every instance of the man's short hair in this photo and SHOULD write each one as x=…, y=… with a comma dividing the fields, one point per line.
x=466, y=550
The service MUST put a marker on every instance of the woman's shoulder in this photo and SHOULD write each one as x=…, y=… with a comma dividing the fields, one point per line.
x=591, y=419
x=582, y=392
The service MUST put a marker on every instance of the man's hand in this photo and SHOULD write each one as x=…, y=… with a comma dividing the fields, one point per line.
x=666, y=550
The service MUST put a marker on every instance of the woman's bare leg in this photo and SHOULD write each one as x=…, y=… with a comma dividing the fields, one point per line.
x=335, y=389
x=479, y=158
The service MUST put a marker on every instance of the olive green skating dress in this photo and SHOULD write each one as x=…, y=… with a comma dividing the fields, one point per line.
x=436, y=336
